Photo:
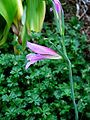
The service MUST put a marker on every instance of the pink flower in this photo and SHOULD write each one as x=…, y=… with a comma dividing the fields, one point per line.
x=40, y=53
x=57, y=5
x=59, y=16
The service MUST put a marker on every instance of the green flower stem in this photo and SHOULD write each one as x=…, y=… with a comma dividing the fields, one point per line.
x=70, y=77
x=70, y=73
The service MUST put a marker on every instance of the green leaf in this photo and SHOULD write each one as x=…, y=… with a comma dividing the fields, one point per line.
x=32, y=19
x=35, y=14
x=8, y=10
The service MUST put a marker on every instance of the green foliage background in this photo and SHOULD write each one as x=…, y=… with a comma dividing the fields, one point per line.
x=43, y=91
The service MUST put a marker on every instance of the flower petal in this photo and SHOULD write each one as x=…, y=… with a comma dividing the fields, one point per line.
x=32, y=56
x=37, y=57
x=40, y=49
x=27, y=65
x=30, y=63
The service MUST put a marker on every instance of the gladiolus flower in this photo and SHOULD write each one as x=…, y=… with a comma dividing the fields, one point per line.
x=59, y=16
x=57, y=5
x=40, y=53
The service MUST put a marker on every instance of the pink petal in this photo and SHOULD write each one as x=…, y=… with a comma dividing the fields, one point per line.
x=32, y=56
x=30, y=63
x=37, y=57
x=27, y=65
x=40, y=49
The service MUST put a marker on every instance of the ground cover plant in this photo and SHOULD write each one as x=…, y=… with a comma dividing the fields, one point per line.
x=43, y=91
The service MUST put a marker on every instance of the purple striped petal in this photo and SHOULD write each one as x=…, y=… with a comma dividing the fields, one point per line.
x=41, y=49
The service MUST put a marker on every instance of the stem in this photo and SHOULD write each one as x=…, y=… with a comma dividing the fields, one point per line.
x=70, y=74
x=72, y=89
x=71, y=78
x=59, y=51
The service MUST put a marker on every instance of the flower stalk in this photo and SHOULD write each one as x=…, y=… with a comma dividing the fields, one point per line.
x=59, y=17
x=70, y=78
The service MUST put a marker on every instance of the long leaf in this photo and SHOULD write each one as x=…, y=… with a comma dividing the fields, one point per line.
x=8, y=10
x=35, y=14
